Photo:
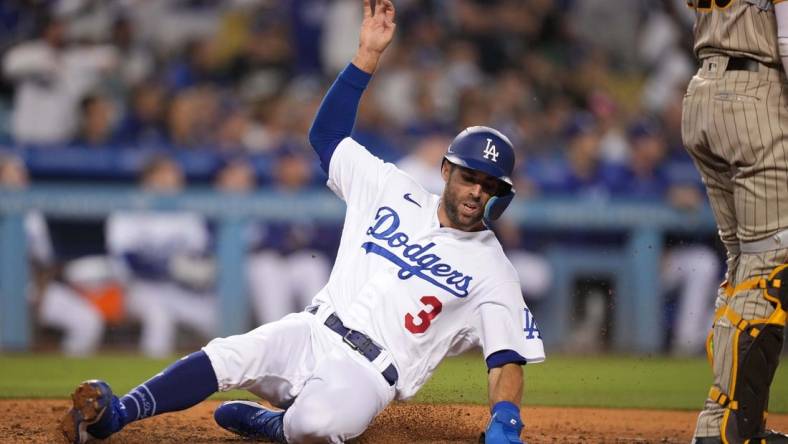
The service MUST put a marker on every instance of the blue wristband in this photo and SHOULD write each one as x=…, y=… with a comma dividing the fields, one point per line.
x=505, y=425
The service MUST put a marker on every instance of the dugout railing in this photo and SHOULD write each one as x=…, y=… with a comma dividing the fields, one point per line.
x=638, y=323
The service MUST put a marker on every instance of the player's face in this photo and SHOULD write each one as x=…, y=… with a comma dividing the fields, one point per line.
x=13, y=175
x=467, y=192
x=166, y=178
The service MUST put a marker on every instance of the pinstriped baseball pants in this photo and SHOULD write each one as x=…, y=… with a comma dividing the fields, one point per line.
x=735, y=127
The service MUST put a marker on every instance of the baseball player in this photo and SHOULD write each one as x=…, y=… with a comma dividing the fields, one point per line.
x=157, y=252
x=734, y=122
x=417, y=277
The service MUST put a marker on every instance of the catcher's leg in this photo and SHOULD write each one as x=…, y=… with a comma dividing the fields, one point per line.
x=747, y=340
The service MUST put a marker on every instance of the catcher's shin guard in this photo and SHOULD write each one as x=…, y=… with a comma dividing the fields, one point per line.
x=756, y=345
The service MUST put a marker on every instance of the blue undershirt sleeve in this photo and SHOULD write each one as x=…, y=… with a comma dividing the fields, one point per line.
x=337, y=113
x=503, y=357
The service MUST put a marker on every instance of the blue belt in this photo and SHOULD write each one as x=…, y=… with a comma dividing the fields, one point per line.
x=361, y=343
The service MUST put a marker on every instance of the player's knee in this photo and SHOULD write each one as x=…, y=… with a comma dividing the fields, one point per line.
x=93, y=328
x=309, y=428
x=313, y=424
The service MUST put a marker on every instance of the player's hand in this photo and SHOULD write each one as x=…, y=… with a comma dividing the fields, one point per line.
x=377, y=29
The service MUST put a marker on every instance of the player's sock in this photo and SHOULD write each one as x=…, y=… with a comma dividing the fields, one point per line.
x=183, y=384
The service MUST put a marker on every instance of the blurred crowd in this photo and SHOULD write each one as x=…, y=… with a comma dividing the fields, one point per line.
x=245, y=76
x=589, y=91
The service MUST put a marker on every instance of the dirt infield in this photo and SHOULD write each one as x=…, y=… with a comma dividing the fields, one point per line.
x=32, y=421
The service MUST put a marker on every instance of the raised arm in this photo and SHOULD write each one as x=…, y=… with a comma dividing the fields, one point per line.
x=337, y=113
x=29, y=60
x=505, y=386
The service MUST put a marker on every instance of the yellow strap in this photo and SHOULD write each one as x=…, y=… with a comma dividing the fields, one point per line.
x=777, y=270
x=778, y=317
x=727, y=289
x=722, y=399
x=735, y=318
x=756, y=282
x=749, y=284
x=710, y=347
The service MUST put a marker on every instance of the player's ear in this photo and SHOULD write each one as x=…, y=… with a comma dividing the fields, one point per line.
x=446, y=170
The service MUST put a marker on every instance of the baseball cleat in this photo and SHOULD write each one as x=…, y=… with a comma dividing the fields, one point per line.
x=767, y=437
x=771, y=437
x=251, y=420
x=706, y=440
x=93, y=413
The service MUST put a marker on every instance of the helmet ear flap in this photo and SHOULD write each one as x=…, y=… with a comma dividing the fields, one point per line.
x=496, y=206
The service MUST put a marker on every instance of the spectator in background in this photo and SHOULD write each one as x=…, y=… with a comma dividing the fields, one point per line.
x=295, y=250
x=372, y=129
x=96, y=122
x=179, y=64
x=578, y=172
x=136, y=61
x=581, y=172
x=19, y=20
x=430, y=115
x=199, y=64
x=586, y=18
x=169, y=279
x=287, y=264
x=234, y=130
x=306, y=21
x=399, y=88
x=50, y=80
x=269, y=50
x=691, y=270
x=421, y=162
x=236, y=176
x=59, y=303
x=665, y=48
x=480, y=23
x=462, y=66
x=606, y=110
x=144, y=124
x=192, y=117
x=548, y=135
x=339, y=40
x=533, y=269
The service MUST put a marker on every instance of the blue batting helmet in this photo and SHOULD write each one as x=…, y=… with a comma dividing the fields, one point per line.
x=485, y=149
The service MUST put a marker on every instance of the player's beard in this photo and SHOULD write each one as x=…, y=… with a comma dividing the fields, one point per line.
x=459, y=220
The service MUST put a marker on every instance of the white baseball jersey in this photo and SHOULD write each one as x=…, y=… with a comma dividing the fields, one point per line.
x=419, y=290
x=161, y=305
x=157, y=234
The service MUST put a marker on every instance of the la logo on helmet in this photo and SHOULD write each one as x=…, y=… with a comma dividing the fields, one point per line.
x=490, y=151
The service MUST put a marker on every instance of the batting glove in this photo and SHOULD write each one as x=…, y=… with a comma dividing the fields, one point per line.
x=505, y=425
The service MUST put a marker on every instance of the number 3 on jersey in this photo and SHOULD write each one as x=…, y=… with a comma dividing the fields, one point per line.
x=425, y=317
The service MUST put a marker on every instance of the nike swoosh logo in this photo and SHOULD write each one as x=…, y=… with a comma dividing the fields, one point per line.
x=408, y=197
